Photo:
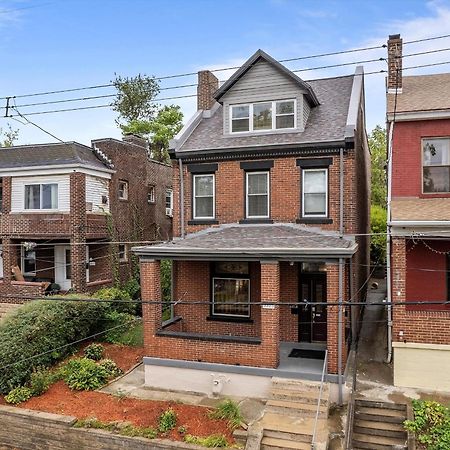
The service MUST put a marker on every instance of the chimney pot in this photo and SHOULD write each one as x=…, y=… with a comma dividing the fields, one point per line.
x=208, y=83
x=395, y=60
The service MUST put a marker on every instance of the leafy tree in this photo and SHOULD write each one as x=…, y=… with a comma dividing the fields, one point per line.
x=8, y=136
x=378, y=219
x=377, y=144
x=135, y=103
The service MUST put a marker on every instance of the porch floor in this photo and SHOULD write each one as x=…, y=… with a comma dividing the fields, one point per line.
x=300, y=365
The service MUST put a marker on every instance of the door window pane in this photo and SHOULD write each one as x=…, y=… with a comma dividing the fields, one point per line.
x=29, y=262
x=262, y=116
x=68, y=264
x=315, y=192
x=227, y=291
x=32, y=196
x=204, y=196
x=258, y=194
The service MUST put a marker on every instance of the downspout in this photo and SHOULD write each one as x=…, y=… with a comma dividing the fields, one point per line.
x=341, y=273
x=180, y=165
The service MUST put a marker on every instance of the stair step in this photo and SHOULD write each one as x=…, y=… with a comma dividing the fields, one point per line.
x=380, y=412
x=358, y=445
x=381, y=405
x=296, y=408
x=378, y=440
x=268, y=443
x=377, y=418
x=379, y=425
x=300, y=385
x=305, y=396
x=373, y=431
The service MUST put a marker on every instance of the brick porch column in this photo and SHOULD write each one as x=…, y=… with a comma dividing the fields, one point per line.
x=332, y=319
x=270, y=315
x=151, y=312
x=10, y=252
x=398, y=288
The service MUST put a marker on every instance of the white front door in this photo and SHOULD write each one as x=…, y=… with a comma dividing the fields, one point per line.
x=63, y=266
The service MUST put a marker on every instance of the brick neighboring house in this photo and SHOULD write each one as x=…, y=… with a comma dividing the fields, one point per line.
x=418, y=115
x=272, y=175
x=61, y=205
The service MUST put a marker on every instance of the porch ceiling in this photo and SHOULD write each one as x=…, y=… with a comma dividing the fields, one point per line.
x=254, y=242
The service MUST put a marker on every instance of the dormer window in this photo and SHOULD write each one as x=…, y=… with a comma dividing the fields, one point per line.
x=263, y=116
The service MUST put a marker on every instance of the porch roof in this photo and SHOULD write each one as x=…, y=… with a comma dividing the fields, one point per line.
x=254, y=242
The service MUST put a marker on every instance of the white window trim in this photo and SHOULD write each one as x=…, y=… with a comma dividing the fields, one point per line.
x=125, y=191
x=22, y=263
x=125, y=253
x=169, y=210
x=263, y=172
x=194, y=196
x=231, y=315
x=40, y=197
x=274, y=116
x=326, y=192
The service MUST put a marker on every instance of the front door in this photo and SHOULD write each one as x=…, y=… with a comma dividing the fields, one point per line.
x=63, y=267
x=312, y=319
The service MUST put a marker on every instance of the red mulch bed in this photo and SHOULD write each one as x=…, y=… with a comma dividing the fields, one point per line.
x=59, y=399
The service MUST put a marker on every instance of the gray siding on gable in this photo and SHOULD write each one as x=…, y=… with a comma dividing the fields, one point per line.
x=263, y=82
x=306, y=111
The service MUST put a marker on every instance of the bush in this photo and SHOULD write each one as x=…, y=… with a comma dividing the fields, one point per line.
x=228, y=410
x=431, y=424
x=122, y=300
x=121, y=322
x=40, y=381
x=378, y=225
x=18, y=395
x=94, y=351
x=111, y=368
x=39, y=333
x=133, y=288
x=212, y=441
x=83, y=374
x=167, y=420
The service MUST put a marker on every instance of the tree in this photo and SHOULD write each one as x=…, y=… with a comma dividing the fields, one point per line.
x=377, y=145
x=8, y=136
x=135, y=103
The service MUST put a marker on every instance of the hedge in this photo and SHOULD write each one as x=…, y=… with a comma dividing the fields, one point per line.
x=42, y=326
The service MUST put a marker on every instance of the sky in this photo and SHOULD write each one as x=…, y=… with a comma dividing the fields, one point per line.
x=64, y=44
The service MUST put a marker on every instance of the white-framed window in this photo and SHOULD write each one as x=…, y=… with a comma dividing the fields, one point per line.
x=315, y=192
x=257, y=198
x=28, y=262
x=41, y=196
x=203, y=196
x=123, y=255
x=263, y=116
x=436, y=165
x=151, y=195
x=123, y=190
x=229, y=291
x=169, y=202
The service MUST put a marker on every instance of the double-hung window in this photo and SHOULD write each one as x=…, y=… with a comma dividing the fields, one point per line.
x=315, y=193
x=169, y=202
x=436, y=165
x=41, y=196
x=203, y=196
x=263, y=116
x=257, y=195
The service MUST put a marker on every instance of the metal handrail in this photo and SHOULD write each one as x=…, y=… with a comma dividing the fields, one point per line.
x=324, y=374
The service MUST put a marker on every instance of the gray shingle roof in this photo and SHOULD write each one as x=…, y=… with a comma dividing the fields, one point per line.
x=272, y=240
x=24, y=156
x=326, y=122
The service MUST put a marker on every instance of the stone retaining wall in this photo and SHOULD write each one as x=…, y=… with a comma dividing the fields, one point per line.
x=23, y=429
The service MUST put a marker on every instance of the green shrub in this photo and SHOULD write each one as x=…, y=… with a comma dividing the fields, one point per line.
x=131, y=334
x=212, y=441
x=39, y=333
x=130, y=430
x=122, y=300
x=18, y=395
x=40, y=380
x=83, y=374
x=94, y=351
x=166, y=287
x=167, y=420
x=228, y=410
x=378, y=224
x=93, y=422
x=133, y=288
x=431, y=424
x=117, y=324
x=111, y=368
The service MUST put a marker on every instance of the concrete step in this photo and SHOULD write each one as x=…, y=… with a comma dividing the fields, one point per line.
x=381, y=413
x=377, y=442
x=395, y=430
x=277, y=427
x=303, y=396
x=269, y=443
x=298, y=385
x=376, y=417
x=380, y=405
x=296, y=409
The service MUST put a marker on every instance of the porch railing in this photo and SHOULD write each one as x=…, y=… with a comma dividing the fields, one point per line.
x=319, y=400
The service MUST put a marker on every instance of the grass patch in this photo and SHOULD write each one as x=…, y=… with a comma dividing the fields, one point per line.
x=212, y=441
x=115, y=427
x=228, y=410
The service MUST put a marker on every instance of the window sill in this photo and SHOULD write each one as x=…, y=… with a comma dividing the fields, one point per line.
x=218, y=318
x=314, y=220
x=203, y=222
x=247, y=221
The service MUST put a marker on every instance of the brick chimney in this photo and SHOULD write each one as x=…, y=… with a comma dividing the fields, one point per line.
x=136, y=140
x=394, y=47
x=208, y=83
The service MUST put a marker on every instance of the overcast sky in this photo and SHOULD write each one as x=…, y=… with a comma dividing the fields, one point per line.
x=62, y=44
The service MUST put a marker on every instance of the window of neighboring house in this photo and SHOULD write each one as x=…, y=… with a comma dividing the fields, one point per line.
x=123, y=256
x=203, y=196
x=151, y=195
x=1, y=195
x=1, y=261
x=28, y=260
x=41, y=196
x=257, y=195
x=315, y=193
x=231, y=285
x=169, y=202
x=123, y=190
x=274, y=115
x=436, y=165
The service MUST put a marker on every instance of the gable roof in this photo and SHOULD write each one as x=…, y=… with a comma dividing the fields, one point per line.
x=422, y=93
x=257, y=56
x=57, y=154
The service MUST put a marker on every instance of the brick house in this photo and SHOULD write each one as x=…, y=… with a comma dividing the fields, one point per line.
x=62, y=205
x=418, y=115
x=271, y=186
